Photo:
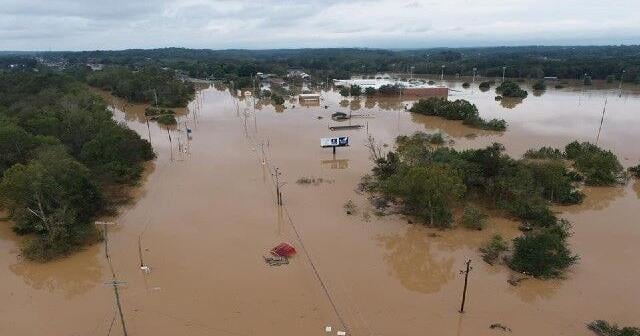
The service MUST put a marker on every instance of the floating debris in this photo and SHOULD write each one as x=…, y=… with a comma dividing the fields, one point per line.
x=515, y=279
x=276, y=260
x=500, y=326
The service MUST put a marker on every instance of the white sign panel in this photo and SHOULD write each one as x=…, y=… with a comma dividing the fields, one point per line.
x=334, y=142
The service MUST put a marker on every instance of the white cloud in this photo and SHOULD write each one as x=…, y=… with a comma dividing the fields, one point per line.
x=118, y=24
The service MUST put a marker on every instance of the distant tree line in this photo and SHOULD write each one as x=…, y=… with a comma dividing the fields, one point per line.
x=60, y=152
x=570, y=62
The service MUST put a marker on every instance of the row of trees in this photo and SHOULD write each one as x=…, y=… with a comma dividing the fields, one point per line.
x=60, y=150
x=459, y=109
x=430, y=181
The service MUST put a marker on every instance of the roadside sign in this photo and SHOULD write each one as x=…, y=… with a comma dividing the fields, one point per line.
x=334, y=142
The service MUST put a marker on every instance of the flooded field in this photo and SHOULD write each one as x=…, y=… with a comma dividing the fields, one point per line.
x=206, y=214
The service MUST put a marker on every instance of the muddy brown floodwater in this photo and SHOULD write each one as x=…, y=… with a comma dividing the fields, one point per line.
x=206, y=216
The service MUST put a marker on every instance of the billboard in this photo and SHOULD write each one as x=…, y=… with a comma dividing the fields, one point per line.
x=334, y=142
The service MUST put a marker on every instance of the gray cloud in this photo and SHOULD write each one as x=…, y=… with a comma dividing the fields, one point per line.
x=118, y=24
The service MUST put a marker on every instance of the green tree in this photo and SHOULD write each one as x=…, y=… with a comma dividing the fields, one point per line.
x=543, y=252
x=511, y=89
x=427, y=192
x=52, y=196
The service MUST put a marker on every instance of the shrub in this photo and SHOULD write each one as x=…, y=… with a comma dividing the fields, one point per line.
x=355, y=90
x=603, y=328
x=543, y=252
x=540, y=85
x=167, y=119
x=473, y=218
x=544, y=153
x=511, y=89
x=599, y=167
x=277, y=99
x=485, y=85
x=635, y=171
x=369, y=91
x=466, y=85
x=344, y=91
x=492, y=249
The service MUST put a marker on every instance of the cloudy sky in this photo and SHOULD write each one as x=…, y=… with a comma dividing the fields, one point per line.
x=261, y=24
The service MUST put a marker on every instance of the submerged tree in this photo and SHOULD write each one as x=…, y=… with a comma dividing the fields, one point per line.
x=511, y=89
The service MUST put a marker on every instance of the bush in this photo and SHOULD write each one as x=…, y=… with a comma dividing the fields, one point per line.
x=635, y=171
x=370, y=91
x=485, y=85
x=492, y=249
x=544, y=153
x=345, y=92
x=389, y=90
x=540, y=85
x=603, y=328
x=167, y=119
x=599, y=167
x=473, y=218
x=543, y=252
x=355, y=90
x=511, y=89
x=277, y=99
x=466, y=85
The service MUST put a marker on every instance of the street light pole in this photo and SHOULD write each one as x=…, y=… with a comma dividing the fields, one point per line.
x=621, y=77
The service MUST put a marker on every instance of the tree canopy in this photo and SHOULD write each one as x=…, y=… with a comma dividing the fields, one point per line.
x=60, y=150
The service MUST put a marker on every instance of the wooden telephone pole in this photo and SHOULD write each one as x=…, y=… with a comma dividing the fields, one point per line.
x=277, y=174
x=114, y=280
x=466, y=280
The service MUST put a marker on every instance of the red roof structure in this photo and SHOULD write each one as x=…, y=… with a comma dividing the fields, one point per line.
x=284, y=250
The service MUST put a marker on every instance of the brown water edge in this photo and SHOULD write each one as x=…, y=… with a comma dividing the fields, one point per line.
x=206, y=218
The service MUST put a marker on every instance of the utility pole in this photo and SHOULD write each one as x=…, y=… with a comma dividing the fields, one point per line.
x=466, y=279
x=621, y=77
x=114, y=281
x=278, y=194
x=442, y=74
x=473, y=80
x=504, y=70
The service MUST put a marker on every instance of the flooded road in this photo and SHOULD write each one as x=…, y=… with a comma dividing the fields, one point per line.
x=206, y=215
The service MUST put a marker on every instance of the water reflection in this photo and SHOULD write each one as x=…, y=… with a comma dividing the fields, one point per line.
x=415, y=263
x=369, y=103
x=597, y=198
x=531, y=290
x=538, y=93
x=453, y=128
x=72, y=276
x=510, y=103
x=636, y=187
x=355, y=105
x=335, y=164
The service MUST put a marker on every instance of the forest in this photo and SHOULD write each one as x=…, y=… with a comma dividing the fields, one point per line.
x=62, y=157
